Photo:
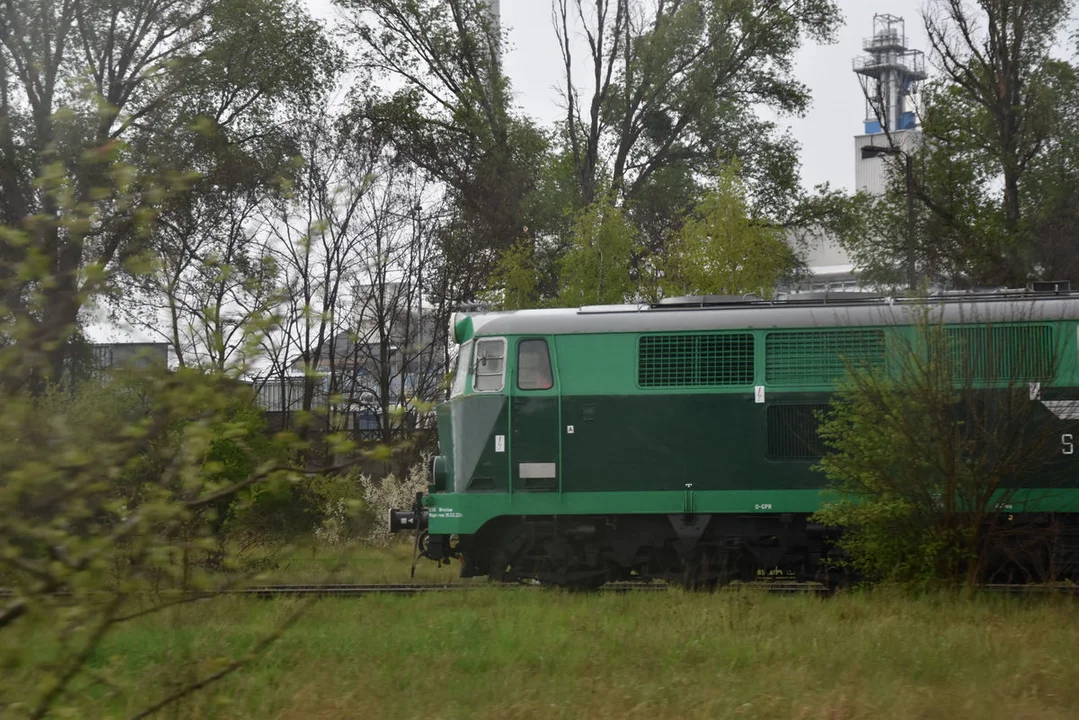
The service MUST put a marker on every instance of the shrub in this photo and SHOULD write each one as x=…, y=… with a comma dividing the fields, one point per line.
x=923, y=453
x=110, y=490
x=339, y=509
x=391, y=492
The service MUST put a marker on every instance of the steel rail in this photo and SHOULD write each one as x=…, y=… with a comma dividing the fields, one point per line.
x=358, y=589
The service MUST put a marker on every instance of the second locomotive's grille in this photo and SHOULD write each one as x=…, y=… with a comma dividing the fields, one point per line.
x=695, y=360
x=820, y=358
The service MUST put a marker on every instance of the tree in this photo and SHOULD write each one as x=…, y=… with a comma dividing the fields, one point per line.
x=314, y=237
x=515, y=282
x=723, y=251
x=673, y=84
x=942, y=223
x=84, y=85
x=451, y=116
x=211, y=289
x=991, y=127
x=355, y=246
x=528, y=274
x=1051, y=185
x=394, y=359
x=111, y=491
x=925, y=453
x=595, y=270
x=1001, y=73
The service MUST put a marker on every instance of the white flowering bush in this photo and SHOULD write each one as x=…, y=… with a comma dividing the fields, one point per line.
x=391, y=492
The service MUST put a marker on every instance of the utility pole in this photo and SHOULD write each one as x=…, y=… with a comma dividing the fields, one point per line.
x=912, y=270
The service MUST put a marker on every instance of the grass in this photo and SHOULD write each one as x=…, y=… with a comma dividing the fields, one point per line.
x=490, y=653
x=357, y=564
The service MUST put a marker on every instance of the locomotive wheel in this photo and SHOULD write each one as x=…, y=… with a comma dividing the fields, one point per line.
x=559, y=564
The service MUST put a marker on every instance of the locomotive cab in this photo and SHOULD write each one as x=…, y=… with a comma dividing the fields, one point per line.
x=499, y=429
x=498, y=432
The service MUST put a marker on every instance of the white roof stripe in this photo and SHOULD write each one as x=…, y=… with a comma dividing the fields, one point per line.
x=641, y=318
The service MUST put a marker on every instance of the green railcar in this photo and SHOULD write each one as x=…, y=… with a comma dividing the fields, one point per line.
x=677, y=440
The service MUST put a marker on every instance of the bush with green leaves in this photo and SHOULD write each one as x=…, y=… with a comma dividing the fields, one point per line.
x=326, y=509
x=922, y=453
x=112, y=494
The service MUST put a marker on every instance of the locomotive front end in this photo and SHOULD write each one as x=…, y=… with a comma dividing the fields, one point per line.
x=416, y=517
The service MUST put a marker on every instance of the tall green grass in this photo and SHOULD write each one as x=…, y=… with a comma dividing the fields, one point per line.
x=490, y=653
x=358, y=564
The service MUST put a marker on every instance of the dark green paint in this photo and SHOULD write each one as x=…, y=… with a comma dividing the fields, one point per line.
x=661, y=442
x=535, y=437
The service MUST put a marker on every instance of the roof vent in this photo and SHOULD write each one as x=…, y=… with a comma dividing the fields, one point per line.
x=706, y=300
x=840, y=296
x=1052, y=286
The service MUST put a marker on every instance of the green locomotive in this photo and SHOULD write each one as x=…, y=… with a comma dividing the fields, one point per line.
x=676, y=440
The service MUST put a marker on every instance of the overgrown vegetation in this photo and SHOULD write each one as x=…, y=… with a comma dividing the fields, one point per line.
x=926, y=452
x=125, y=497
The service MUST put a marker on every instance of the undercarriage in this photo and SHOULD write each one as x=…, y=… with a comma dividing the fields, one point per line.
x=702, y=551
x=695, y=551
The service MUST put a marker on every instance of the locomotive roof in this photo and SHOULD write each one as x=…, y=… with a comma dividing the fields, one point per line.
x=791, y=313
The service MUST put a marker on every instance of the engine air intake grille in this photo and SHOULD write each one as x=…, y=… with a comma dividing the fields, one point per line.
x=792, y=432
x=1001, y=354
x=819, y=358
x=695, y=360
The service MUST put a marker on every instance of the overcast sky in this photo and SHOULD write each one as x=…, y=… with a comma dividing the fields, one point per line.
x=825, y=133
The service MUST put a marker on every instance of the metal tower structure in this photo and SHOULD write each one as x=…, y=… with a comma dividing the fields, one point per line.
x=889, y=73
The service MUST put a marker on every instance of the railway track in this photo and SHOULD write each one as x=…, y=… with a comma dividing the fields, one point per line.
x=357, y=589
x=350, y=590
x=344, y=589
x=411, y=589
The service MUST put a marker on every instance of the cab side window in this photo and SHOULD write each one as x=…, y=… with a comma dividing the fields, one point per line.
x=534, y=365
x=488, y=375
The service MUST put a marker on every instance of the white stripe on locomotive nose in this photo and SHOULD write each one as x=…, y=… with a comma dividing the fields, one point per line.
x=1063, y=409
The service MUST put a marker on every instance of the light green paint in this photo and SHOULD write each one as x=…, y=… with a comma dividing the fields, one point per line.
x=464, y=514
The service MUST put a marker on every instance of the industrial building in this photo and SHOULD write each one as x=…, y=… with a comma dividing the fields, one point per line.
x=889, y=73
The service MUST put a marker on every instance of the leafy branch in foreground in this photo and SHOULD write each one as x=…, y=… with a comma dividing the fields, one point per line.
x=111, y=499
